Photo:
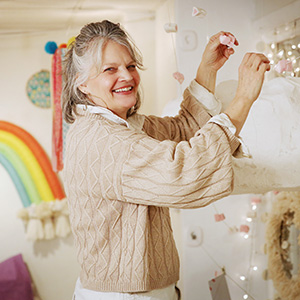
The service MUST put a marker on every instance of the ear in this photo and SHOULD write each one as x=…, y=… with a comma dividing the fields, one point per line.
x=83, y=89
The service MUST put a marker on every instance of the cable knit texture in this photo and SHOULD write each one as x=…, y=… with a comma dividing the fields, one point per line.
x=120, y=183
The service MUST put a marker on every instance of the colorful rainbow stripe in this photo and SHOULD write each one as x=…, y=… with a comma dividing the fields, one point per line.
x=28, y=166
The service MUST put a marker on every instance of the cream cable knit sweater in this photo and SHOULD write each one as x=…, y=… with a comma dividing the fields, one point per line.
x=120, y=183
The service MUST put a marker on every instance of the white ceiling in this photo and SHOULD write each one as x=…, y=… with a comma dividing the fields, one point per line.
x=29, y=16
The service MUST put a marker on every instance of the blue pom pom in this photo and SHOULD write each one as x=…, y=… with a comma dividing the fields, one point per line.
x=50, y=47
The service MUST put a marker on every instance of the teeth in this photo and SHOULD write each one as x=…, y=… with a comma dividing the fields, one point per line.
x=123, y=89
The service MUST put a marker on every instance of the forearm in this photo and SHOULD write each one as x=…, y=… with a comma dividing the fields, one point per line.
x=207, y=78
x=237, y=111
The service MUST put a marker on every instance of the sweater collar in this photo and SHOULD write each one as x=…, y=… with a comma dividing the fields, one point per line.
x=104, y=112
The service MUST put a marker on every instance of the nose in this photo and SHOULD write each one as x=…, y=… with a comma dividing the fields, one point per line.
x=125, y=75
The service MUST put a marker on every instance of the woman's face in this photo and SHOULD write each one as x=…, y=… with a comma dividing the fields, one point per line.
x=117, y=84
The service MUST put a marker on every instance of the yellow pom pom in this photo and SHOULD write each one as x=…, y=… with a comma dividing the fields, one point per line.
x=70, y=41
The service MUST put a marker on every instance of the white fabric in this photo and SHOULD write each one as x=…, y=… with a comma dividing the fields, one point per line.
x=106, y=113
x=168, y=293
x=223, y=120
x=212, y=105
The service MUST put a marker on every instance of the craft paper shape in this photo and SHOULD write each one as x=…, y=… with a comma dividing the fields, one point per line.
x=218, y=288
x=284, y=65
x=198, y=12
x=179, y=77
x=227, y=40
x=171, y=27
x=219, y=217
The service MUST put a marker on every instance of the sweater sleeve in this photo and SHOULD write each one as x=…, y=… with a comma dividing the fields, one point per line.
x=191, y=117
x=188, y=174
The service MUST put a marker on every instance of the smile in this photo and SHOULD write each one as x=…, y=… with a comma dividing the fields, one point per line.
x=125, y=89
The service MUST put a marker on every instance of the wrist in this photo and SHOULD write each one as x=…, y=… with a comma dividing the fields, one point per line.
x=206, y=77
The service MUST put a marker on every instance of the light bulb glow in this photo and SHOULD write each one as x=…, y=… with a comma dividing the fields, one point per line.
x=255, y=268
x=290, y=52
x=254, y=207
x=280, y=53
x=246, y=236
x=249, y=220
x=245, y=296
x=270, y=55
x=272, y=46
x=294, y=47
x=299, y=45
x=242, y=277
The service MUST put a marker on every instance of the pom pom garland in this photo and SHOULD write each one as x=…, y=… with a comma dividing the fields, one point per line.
x=50, y=47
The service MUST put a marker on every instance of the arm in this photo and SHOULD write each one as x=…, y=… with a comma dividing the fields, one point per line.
x=251, y=77
x=191, y=117
x=214, y=57
x=180, y=175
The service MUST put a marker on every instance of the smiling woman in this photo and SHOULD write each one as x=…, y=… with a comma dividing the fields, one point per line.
x=123, y=170
x=115, y=86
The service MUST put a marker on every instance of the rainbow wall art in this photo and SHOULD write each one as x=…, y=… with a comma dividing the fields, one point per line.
x=39, y=188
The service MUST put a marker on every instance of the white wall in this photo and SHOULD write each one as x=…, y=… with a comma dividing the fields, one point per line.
x=52, y=264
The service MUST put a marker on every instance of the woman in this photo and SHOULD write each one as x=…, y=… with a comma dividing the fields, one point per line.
x=123, y=171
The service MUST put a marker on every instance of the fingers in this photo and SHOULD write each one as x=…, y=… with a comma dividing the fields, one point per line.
x=215, y=38
x=255, y=61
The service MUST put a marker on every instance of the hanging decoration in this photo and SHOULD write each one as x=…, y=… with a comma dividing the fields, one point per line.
x=57, y=131
x=198, y=12
x=285, y=214
x=38, y=89
x=38, y=186
x=218, y=288
x=59, y=127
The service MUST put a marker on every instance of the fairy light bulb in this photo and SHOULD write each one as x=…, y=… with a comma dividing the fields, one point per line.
x=272, y=46
x=290, y=52
x=255, y=268
x=298, y=45
x=254, y=207
x=294, y=47
x=242, y=277
x=246, y=236
x=245, y=296
x=280, y=53
x=270, y=55
x=249, y=219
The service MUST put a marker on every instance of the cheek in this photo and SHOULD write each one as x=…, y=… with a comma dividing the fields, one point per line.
x=137, y=79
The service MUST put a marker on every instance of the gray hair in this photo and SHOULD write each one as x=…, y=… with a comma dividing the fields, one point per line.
x=85, y=53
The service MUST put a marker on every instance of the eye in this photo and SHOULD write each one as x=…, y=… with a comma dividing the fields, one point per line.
x=131, y=67
x=110, y=69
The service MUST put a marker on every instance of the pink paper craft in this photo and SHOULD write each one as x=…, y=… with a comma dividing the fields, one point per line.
x=284, y=65
x=179, y=77
x=219, y=217
x=227, y=40
x=218, y=288
x=244, y=228
x=255, y=200
x=198, y=12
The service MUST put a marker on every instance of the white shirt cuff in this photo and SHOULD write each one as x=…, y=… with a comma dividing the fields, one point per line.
x=206, y=98
x=223, y=120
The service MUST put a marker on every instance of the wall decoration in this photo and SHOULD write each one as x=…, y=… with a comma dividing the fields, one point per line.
x=285, y=214
x=57, y=127
x=39, y=188
x=38, y=89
